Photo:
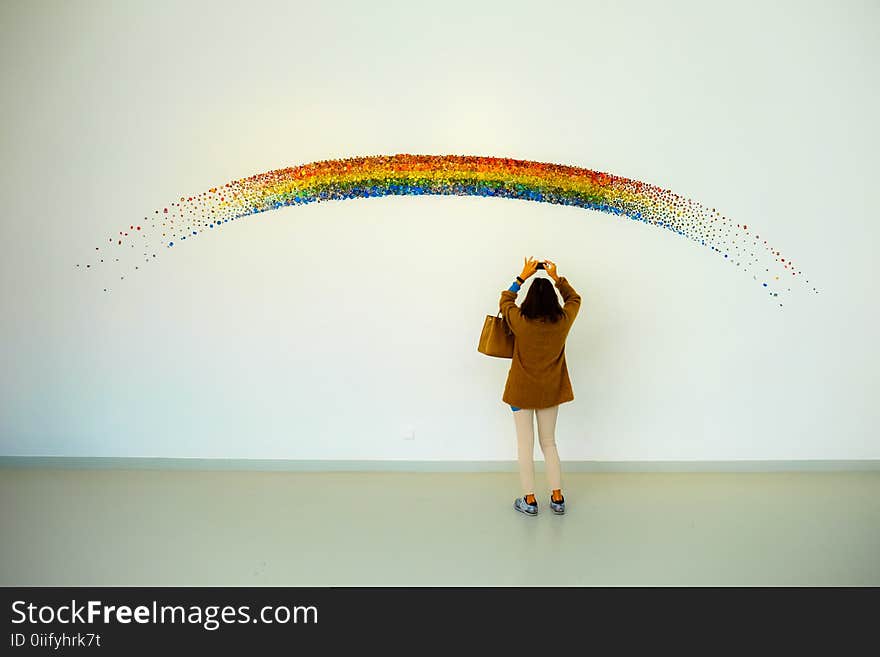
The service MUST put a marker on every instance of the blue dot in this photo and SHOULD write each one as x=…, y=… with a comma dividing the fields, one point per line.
x=764, y=284
x=170, y=243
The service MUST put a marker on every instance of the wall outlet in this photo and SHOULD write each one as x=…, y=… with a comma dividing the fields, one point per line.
x=409, y=433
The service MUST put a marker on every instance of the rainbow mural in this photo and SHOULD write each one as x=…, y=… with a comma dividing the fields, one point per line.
x=462, y=175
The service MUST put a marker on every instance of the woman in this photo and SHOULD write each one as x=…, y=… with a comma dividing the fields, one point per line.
x=538, y=379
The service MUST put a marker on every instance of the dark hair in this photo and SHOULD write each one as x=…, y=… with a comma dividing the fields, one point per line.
x=541, y=302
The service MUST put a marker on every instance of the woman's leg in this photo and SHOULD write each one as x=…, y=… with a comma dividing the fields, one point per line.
x=525, y=440
x=547, y=437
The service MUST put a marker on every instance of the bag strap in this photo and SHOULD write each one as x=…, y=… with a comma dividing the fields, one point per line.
x=507, y=328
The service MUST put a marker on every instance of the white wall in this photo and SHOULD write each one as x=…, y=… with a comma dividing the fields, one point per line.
x=322, y=331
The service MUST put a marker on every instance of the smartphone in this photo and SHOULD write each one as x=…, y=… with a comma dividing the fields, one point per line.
x=540, y=265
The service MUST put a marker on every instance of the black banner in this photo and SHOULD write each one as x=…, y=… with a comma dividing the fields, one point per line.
x=111, y=620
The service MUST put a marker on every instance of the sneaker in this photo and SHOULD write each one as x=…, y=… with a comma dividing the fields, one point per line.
x=524, y=507
x=557, y=507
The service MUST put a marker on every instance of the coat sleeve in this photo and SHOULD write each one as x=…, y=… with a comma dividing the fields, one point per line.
x=510, y=311
x=571, y=299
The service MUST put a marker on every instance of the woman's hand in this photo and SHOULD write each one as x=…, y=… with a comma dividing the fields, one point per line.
x=530, y=266
x=550, y=268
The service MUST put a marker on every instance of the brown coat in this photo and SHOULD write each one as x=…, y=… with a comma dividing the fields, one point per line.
x=538, y=376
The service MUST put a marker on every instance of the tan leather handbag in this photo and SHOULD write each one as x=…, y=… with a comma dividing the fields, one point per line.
x=496, y=338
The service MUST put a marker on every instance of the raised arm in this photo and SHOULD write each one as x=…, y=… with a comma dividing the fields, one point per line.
x=571, y=300
x=509, y=310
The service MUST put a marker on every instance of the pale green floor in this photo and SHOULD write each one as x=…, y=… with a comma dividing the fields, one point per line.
x=162, y=528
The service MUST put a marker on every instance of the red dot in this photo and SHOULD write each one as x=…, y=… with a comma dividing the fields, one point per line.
x=139, y=228
x=165, y=210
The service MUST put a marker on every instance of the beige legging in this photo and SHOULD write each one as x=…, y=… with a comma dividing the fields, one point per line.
x=525, y=438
